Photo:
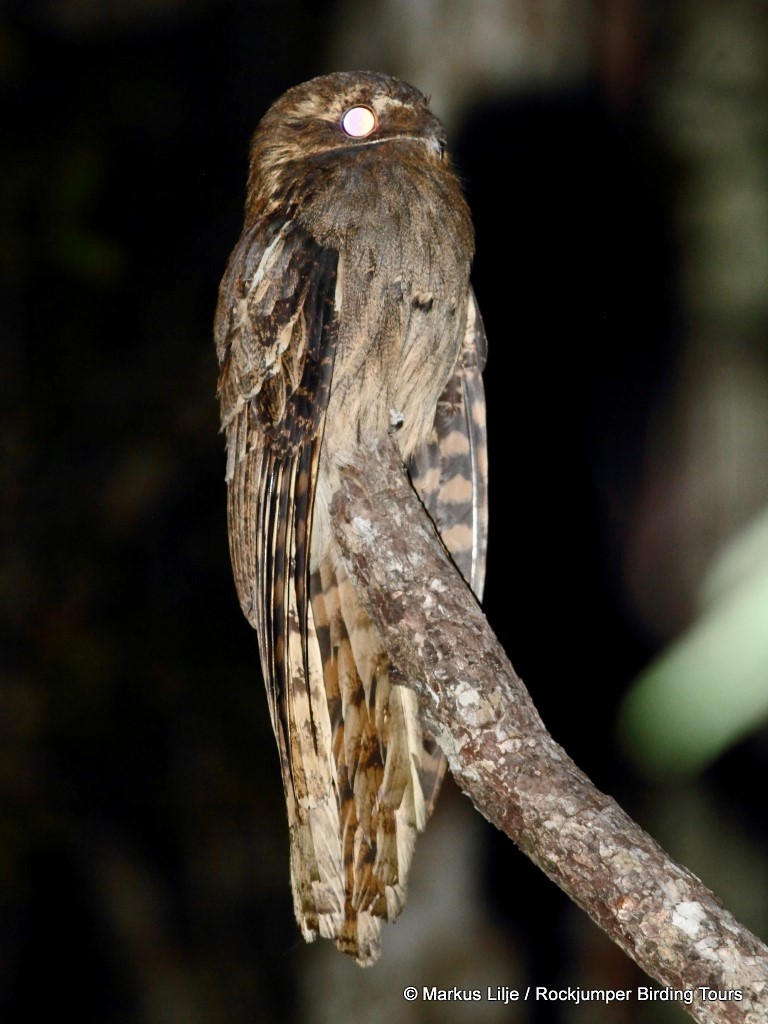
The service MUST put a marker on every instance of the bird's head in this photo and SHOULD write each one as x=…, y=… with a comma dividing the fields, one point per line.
x=337, y=118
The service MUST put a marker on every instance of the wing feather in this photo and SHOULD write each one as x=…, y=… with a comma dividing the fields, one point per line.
x=360, y=775
x=450, y=472
x=450, y=475
x=276, y=336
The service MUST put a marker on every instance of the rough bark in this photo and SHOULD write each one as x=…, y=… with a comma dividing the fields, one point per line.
x=515, y=774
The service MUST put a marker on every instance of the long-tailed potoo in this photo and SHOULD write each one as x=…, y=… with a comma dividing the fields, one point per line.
x=346, y=312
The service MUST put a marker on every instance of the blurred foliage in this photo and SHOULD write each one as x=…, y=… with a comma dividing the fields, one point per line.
x=708, y=690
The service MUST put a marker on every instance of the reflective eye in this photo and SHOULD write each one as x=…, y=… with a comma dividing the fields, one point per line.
x=358, y=122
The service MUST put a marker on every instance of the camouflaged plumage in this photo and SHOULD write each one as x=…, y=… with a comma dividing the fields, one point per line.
x=346, y=312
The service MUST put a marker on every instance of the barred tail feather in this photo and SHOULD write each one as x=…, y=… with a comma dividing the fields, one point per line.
x=386, y=779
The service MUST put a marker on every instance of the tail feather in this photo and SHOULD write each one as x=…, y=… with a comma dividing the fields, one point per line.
x=380, y=758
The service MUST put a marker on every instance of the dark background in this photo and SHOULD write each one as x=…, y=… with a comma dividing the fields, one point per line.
x=143, y=850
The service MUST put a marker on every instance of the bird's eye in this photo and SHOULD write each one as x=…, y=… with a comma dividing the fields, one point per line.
x=358, y=122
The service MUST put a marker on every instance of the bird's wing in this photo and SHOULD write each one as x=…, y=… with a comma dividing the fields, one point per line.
x=450, y=474
x=360, y=776
x=276, y=332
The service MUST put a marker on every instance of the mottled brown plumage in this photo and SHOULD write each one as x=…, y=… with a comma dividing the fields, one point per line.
x=345, y=313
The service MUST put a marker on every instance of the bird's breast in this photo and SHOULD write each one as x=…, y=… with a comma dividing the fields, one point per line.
x=400, y=334
x=405, y=244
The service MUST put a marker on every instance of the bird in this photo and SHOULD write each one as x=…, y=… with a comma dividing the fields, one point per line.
x=346, y=314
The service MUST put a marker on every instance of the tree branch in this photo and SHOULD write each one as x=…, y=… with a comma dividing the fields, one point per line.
x=503, y=758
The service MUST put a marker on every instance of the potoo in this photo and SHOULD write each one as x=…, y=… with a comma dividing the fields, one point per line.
x=346, y=313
